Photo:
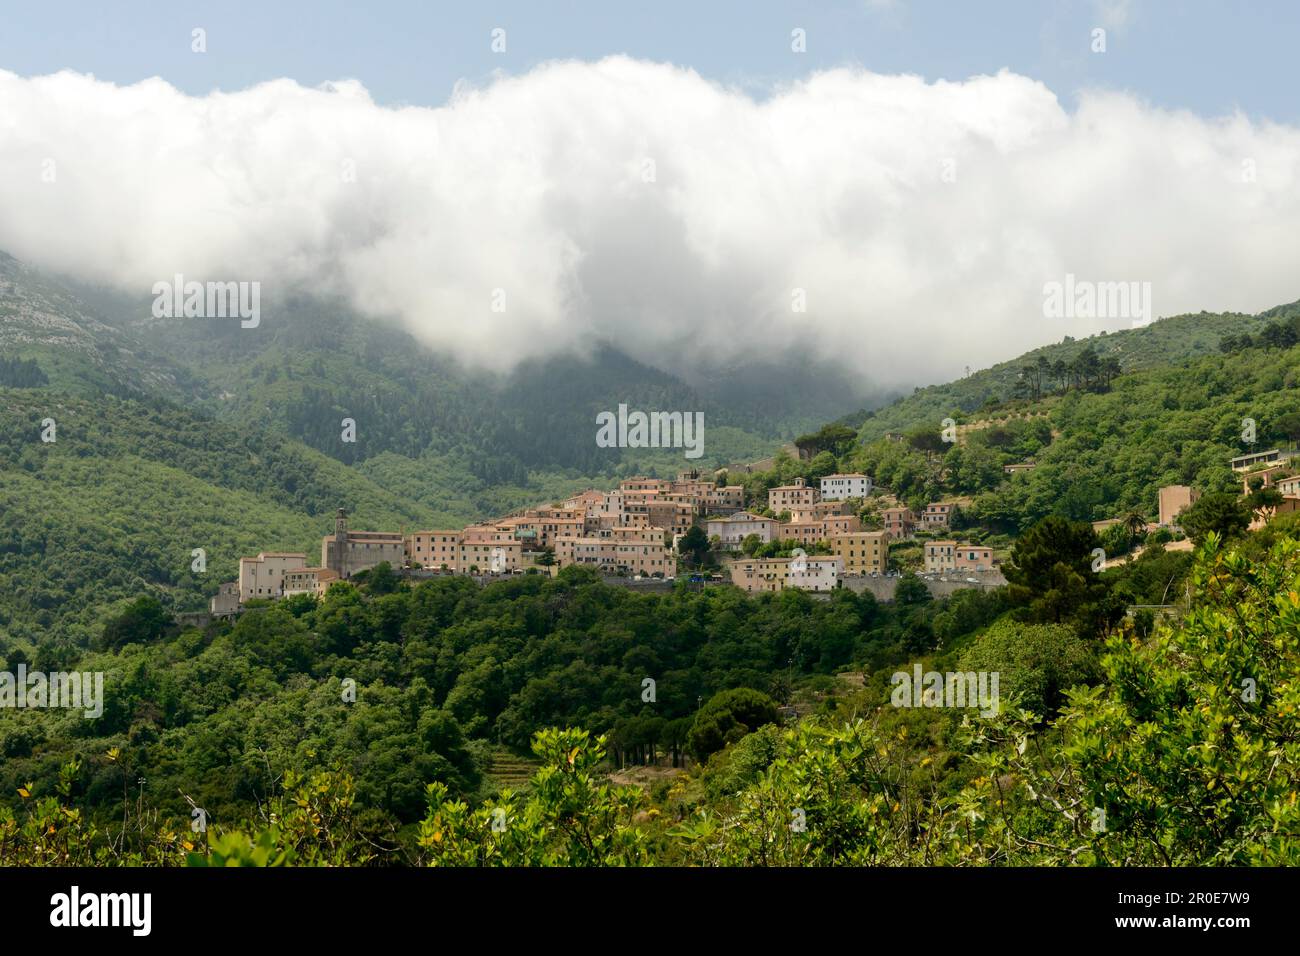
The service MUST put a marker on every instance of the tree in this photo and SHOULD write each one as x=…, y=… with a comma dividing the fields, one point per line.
x=1220, y=512
x=1185, y=753
x=973, y=468
x=927, y=439
x=869, y=515
x=143, y=622
x=911, y=591
x=1263, y=499
x=21, y=373
x=1116, y=539
x=382, y=579
x=728, y=716
x=1109, y=370
x=1086, y=367
x=823, y=464
x=1289, y=426
x=694, y=545
x=569, y=816
x=1050, y=577
x=1135, y=523
x=1061, y=374
x=833, y=438
x=1036, y=663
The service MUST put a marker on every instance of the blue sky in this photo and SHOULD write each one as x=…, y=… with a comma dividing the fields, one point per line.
x=1209, y=56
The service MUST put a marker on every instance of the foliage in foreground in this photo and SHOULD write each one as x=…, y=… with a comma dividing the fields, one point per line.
x=1188, y=753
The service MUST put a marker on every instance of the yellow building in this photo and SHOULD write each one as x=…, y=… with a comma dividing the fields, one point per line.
x=1174, y=499
x=308, y=581
x=940, y=556
x=760, y=574
x=862, y=551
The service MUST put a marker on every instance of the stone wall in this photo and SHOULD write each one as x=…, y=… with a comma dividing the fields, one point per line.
x=940, y=585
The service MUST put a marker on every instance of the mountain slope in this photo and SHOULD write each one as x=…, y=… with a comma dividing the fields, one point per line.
x=1164, y=342
x=113, y=507
x=311, y=363
x=42, y=320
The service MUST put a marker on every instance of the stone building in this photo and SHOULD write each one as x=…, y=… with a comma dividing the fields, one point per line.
x=347, y=552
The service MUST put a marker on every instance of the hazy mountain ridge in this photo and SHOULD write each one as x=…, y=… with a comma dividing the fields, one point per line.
x=311, y=363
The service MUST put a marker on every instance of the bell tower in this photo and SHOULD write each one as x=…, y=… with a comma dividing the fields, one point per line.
x=339, y=564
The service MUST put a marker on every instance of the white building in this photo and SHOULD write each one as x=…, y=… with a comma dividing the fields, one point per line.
x=839, y=487
x=263, y=576
x=732, y=531
x=815, y=574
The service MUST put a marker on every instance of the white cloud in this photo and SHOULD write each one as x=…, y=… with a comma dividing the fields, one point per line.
x=534, y=184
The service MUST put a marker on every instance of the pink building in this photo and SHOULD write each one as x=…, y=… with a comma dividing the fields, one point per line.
x=788, y=497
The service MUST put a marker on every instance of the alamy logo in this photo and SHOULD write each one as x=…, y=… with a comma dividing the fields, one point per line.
x=102, y=909
x=209, y=300
x=72, y=690
x=1084, y=299
x=651, y=430
x=933, y=689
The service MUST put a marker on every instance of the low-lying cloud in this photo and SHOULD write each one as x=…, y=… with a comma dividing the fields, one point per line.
x=640, y=204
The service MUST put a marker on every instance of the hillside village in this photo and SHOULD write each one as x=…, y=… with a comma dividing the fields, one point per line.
x=806, y=536
x=635, y=531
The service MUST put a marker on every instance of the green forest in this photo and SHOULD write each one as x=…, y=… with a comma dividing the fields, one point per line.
x=366, y=728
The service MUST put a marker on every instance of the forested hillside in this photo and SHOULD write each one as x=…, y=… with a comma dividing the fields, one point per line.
x=44, y=323
x=1168, y=341
x=360, y=729
x=114, y=506
x=1102, y=440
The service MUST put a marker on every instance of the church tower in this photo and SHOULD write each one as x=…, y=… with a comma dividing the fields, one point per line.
x=339, y=562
